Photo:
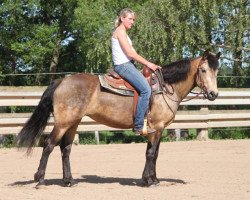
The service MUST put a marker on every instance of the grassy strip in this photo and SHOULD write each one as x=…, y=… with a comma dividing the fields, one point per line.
x=125, y=137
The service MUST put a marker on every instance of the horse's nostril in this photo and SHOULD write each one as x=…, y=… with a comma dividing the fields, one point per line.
x=213, y=94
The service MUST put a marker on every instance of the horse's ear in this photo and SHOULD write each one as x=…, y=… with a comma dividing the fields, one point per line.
x=205, y=54
x=218, y=55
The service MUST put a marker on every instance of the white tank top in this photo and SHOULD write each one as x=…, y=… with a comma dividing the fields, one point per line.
x=118, y=55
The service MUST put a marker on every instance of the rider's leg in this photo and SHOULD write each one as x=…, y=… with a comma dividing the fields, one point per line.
x=135, y=78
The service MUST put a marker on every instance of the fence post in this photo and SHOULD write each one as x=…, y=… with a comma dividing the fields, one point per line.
x=177, y=134
x=202, y=134
x=97, y=137
x=76, y=139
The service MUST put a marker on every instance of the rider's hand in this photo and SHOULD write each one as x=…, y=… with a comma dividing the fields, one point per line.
x=153, y=66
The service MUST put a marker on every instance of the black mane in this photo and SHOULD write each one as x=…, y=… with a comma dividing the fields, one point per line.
x=178, y=71
x=213, y=61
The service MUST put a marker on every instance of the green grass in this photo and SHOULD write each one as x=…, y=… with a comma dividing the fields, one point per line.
x=124, y=137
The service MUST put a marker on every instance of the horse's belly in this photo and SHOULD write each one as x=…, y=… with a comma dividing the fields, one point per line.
x=116, y=121
x=117, y=113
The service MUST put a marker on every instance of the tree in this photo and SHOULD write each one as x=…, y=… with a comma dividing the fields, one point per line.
x=74, y=35
x=232, y=37
x=173, y=29
x=33, y=33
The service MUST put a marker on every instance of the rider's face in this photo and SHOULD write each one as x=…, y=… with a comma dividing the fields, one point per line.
x=128, y=21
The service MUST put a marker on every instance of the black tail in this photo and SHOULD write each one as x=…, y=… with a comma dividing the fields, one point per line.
x=34, y=127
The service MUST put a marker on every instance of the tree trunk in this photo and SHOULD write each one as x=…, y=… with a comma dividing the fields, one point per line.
x=237, y=68
x=54, y=61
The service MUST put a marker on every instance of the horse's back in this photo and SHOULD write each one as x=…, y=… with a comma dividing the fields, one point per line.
x=74, y=94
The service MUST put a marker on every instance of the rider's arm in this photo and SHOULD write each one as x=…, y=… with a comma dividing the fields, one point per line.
x=130, y=51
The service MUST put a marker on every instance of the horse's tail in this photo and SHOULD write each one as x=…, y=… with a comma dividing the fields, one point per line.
x=35, y=126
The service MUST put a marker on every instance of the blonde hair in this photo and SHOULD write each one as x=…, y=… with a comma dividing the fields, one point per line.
x=123, y=13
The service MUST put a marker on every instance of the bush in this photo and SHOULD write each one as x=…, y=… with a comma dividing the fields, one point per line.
x=229, y=133
x=7, y=141
x=121, y=137
x=87, y=138
x=108, y=137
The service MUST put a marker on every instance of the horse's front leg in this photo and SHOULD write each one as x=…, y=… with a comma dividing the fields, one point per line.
x=149, y=174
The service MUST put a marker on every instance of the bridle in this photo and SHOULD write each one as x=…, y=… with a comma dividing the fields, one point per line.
x=199, y=83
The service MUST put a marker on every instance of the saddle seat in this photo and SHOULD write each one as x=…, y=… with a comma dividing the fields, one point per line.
x=116, y=81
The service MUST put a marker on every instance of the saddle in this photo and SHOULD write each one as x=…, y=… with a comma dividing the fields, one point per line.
x=115, y=83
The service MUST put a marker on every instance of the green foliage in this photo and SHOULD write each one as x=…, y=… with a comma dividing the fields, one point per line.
x=124, y=137
x=31, y=32
x=108, y=137
x=229, y=133
x=19, y=109
x=165, y=136
x=87, y=138
x=192, y=134
x=8, y=141
x=39, y=36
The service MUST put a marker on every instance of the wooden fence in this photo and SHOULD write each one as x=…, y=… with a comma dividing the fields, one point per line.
x=202, y=118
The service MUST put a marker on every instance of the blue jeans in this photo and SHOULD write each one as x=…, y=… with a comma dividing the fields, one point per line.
x=129, y=73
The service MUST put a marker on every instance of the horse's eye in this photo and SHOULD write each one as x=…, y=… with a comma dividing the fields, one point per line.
x=203, y=70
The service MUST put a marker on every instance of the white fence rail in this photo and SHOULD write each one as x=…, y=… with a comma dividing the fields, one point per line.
x=11, y=123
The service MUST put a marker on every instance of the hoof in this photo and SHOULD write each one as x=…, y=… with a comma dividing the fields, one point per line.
x=70, y=183
x=40, y=185
x=37, y=177
x=155, y=184
x=150, y=182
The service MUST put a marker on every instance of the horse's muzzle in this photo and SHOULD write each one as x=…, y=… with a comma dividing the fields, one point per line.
x=211, y=96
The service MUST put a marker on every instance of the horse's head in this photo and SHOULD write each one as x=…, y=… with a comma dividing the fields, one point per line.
x=206, y=77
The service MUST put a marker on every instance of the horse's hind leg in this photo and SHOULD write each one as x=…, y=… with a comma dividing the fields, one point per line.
x=49, y=145
x=65, y=147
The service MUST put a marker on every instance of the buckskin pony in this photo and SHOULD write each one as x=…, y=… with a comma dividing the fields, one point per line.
x=71, y=98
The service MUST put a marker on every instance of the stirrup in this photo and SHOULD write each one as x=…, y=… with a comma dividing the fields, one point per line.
x=145, y=131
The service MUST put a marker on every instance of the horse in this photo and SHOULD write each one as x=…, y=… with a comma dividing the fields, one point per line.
x=78, y=95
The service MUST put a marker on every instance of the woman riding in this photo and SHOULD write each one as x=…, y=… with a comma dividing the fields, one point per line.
x=123, y=56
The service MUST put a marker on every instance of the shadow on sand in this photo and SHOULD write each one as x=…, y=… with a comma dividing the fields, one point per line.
x=94, y=179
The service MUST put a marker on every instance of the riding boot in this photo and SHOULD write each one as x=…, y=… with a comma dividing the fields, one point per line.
x=145, y=131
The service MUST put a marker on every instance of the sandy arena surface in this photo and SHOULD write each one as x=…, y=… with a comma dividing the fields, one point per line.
x=215, y=170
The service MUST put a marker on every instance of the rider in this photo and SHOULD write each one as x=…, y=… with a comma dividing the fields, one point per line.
x=123, y=56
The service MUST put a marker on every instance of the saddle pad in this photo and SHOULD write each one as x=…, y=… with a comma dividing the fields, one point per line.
x=105, y=85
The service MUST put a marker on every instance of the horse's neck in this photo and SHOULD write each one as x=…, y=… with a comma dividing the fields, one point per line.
x=184, y=87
